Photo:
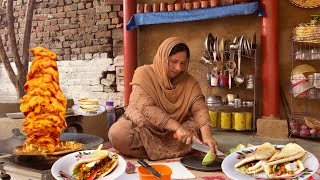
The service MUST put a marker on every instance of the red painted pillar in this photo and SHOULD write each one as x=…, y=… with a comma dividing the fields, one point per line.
x=130, y=47
x=270, y=58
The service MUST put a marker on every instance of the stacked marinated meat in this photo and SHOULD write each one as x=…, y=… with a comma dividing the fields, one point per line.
x=44, y=104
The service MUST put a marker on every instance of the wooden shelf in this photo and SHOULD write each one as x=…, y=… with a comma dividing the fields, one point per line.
x=193, y=15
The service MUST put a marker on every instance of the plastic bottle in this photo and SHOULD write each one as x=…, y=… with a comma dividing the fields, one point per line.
x=111, y=115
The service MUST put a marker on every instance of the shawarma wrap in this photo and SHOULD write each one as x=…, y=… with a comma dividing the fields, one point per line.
x=98, y=164
x=284, y=170
x=256, y=161
x=286, y=163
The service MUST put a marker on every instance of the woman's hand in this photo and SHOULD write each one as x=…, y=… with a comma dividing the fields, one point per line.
x=208, y=139
x=185, y=136
x=211, y=142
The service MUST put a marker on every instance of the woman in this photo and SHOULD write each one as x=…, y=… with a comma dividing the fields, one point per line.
x=165, y=100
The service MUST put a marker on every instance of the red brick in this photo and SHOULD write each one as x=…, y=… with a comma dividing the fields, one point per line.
x=116, y=7
x=112, y=14
x=120, y=14
x=115, y=21
x=59, y=15
x=71, y=14
x=54, y=22
x=54, y=28
x=86, y=24
x=89, y=5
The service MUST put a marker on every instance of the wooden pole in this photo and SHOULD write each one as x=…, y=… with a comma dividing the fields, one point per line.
x=270, y=59
x=130, y=48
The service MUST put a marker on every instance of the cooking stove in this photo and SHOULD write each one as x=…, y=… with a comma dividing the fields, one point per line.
x=25, y=168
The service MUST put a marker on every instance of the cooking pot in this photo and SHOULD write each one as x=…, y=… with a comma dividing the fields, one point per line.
x=214, y=101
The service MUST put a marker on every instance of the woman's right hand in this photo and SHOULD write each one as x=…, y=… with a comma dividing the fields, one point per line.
x=185, y=136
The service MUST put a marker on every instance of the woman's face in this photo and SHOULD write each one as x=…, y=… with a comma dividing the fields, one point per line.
x=177, y=64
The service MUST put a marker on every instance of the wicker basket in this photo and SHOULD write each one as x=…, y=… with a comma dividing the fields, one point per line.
x=312, y=123
x=306, y=3
x=307, y=33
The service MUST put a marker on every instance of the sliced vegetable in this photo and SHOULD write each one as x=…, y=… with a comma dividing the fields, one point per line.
x=93, y=175
x=208, y=159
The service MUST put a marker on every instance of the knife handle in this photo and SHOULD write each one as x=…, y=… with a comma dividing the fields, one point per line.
x=143, y=163
x=175, y=135
x=150, y=168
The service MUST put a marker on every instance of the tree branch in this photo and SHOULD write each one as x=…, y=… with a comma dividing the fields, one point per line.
x=12, y=36
x=27, y=32
x=6, y=63
x=2, y=10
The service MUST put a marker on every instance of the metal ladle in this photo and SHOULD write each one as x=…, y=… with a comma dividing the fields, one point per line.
x=231, y=64
x=239, y=79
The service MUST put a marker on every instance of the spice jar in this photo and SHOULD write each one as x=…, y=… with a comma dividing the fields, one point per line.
x=204, y=4
x=163, y=7
x=178, y=7
x=170, y=7
x=156, y=7
x=188, y=6
x=147, y=8
x=139, y=8
x=213, y=3
x=196, y=5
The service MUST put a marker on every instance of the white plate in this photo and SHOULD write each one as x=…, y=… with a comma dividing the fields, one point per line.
x=228, y=163
x=67, y=162
x=17, y=115
x=78, y=111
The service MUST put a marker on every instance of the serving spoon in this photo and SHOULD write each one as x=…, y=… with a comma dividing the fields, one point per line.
x=239, y=79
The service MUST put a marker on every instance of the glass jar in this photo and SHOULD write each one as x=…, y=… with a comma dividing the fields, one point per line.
x=249, y=81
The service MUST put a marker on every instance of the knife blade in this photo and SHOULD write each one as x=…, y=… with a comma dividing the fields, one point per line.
x=150, y=168
x=202, y=147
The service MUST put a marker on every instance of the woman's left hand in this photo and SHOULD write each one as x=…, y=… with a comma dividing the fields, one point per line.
x=211, y=142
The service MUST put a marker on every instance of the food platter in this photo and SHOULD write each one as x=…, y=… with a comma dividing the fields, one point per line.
x=78, y=111
x=311, y=165
x=63, y=166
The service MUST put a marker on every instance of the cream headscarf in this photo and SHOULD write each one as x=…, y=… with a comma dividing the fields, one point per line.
x=174, y=97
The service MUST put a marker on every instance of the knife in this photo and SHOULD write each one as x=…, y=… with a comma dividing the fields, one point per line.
x=150, y=168
x=201, y=147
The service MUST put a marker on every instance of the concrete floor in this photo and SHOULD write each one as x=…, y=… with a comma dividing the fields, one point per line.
x=227, y=140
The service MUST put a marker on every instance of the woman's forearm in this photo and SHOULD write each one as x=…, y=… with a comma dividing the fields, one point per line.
x=205, y=131
x=172, y=125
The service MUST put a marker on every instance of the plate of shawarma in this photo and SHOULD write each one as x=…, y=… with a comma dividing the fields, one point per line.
x=89, y=164
x=269, y=161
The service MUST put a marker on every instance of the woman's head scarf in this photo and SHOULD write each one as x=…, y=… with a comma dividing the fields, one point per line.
x=174, y=97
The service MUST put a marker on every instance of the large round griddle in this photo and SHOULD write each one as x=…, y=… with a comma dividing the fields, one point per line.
x=42, y=162
x=89, y=141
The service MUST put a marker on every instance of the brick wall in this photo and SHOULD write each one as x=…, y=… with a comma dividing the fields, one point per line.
x=79, y=78
x=87, y=37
